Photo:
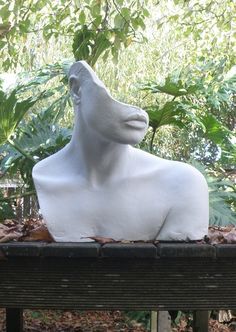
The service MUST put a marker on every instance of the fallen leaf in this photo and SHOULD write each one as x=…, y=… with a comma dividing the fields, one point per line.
x=40, y=233
x=230, y=237
x=101, y=240
x=9, y=233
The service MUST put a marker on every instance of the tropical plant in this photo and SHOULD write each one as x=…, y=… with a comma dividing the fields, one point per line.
x=38, y=138
x=12, y=110
x=27, y=133
x=222, y=196
x=196, y=101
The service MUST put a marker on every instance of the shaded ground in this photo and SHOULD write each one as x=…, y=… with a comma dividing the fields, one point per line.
x=74, y=321
x=102, y=321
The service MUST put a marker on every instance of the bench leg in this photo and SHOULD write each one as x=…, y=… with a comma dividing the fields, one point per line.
x=14, y=320
x=200, y=321
x=153, y=321
x=160, y=321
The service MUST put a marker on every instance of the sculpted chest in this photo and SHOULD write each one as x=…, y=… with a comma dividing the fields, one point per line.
x=123, y=211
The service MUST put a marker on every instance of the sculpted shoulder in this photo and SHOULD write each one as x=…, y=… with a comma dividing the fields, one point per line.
x=184, y=176
x=173, y=174
x=50, y=167
x=187, y=190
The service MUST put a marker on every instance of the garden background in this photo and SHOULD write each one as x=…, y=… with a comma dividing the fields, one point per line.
x=173, y=58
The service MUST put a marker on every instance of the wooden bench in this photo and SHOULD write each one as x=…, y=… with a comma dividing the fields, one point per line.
x=88, y=276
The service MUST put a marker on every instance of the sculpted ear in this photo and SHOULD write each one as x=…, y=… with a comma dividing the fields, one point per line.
x=74, y=88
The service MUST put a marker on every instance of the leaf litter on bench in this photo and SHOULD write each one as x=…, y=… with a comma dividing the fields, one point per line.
x=36, y=230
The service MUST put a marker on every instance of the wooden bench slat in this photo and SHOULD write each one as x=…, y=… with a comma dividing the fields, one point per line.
x=129, y=250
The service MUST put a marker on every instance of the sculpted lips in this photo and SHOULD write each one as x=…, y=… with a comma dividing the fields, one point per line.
x=138, y=121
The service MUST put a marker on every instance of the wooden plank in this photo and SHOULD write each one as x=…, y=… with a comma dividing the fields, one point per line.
x=35, y=249
x=71, y=250
x=123, y=250
x=127, y=250
x=118, y=276
x=118, y=283
x=226, y=250
x=14, y=320
x=200, y=321
x=170, y=250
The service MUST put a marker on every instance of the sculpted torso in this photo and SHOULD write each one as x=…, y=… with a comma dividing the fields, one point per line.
x=101, y=186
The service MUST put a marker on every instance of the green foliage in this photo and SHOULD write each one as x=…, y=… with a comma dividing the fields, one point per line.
x=172, y=113
x=97, y=26
x=198, y=105
x=195, y=112
x=173, y=85
x=207, y=25
x=12, y=110
x=90, y=45
x=222, y=192
x=6, y=211
x=106, y=28
x=38, y=138
x=222, y=197
x=198, y=98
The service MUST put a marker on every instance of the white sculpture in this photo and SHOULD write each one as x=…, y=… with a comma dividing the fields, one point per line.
x=101, y=186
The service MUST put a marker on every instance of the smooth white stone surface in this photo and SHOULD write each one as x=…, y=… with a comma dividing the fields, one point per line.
x=99, y=185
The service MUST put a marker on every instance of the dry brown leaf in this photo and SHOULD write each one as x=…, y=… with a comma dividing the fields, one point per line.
x=215, y=236
x=40, y=233
x=101, y=240
x=230, y=237
x=9, y=233
x=219, y=235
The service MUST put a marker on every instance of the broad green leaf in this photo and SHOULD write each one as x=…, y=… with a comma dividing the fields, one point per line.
x=125, y=12
x=95, y=10
x=214, y=130
x=171, y=87
x=146, y=12
x=120, y=2
x=24, y=26
x=221, y=192
x=12, y=111
x=118, y=21
x=82, y=17
x=102, y=44
x=97, y=20
x=170, y=114
x=5, y=12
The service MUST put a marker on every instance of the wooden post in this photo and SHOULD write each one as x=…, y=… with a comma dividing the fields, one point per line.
x=200, y=321
x=14, y=320
x=153, y=321
x=160, y=321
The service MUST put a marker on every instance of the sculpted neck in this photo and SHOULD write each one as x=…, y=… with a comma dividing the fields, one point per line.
x=100, y=161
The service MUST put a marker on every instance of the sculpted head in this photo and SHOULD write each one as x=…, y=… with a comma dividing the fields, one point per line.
x=100, y=113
